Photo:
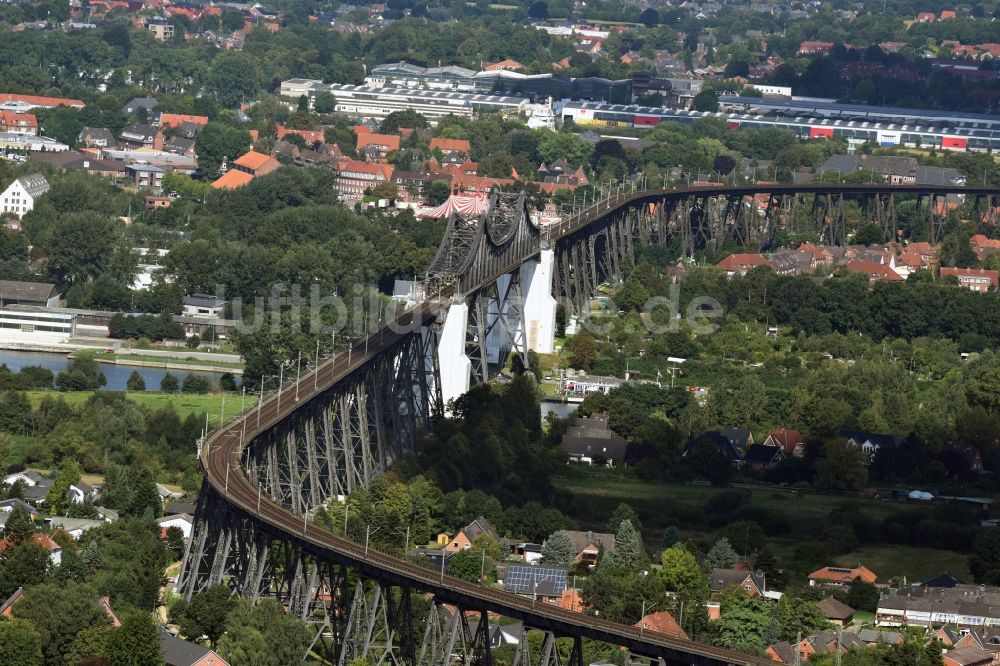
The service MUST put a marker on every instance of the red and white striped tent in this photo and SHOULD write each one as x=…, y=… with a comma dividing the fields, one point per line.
x=471, y=205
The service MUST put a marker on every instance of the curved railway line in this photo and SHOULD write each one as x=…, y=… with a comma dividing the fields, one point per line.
x=223, y=449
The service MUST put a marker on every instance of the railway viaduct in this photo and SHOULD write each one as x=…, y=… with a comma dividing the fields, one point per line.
x=491, y=290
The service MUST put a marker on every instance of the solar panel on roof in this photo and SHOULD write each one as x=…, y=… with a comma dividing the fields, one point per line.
x=522, y=579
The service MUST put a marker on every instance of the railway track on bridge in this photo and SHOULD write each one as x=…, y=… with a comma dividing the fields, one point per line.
x=223, y=450
x=221, y=460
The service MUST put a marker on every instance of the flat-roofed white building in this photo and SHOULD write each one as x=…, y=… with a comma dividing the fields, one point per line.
x=380, y=102
x=36, y=326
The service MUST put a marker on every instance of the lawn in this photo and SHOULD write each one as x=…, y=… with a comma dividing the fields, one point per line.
x=184, y=403
x=915, y=563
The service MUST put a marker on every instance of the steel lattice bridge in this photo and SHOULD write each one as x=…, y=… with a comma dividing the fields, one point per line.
x=491, y=290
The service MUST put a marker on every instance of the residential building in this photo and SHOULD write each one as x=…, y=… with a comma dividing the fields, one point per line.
x=179, y=119
x=161, y=28
x=21, y=103
x=790, y=442
x=144, y=175
x=177, y=652
x=231, y=180
x=761, y=456
x=141, y=135
x=753, y=582
x=842, y=576
x=875, y=272
x=662, y=622
x=181, y=521
x=179, y=145
x=450, y=146
x=38, y=294
x=963, y=606
x=739, y=264
x=380, y=145
x=836, y=611
x=589, y=440
x=726, y=446
x=96, y=137
x=204, y=305
x=973, y=279
x=256, y=164
x=507, y=65
x=18, y=123
x=75, y=527
x=467, y=536
x=21, y=195
x=585, y=384
x=30, y=142
x=870, y=442
x=970, y=656
x=872, y=637
x=146, y=104
x=588, y=545
x=43, y=540
x=354, y=177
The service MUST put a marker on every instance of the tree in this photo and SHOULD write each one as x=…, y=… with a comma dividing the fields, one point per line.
x=869, y=234
x=57, y=500
x=263, y=635
x=18, y=527
x=743, y=624
x=584, y=350
x=706, y=100
x=227, y=382
x=570, y=147
x=217, y=141
x=135, y=382
x=558, y=550
x=437, y=192
x=59, y=612
x=539, y=11
x=863, y=596
x=90, y=644
x=233, y=78
x=629, y=551
x=206, y=614
x=721, y=555
x=79, y=247
x=196, y=384
x=472, y=565
x=136, y=642
x=20, y=644
x=169, y=383
x=650, y=17
x=681, y=572
x=622, y=513
x=25, y=564
x=324, y=102
x=984, y=562
x=844, y=467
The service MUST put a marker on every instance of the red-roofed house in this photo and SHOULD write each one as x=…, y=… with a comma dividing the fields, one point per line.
x=507, y=65
x=19, y=102
x=925, y=17
x=947, y=14
x=175, y=119
x=875, y=272
x=377, y=146
x=311, y=137
x=450, y=146
x=18, y=123
x=43, y=540
x=256, y=164
x=662, y=622
x=842, y=575
x=231, y=180
x=815, y=47
x=973, y=279
x=739, y=264
x=790, y=442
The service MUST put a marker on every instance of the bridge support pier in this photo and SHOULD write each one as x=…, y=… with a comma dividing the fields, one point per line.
x=455, y=367
x=539, y=304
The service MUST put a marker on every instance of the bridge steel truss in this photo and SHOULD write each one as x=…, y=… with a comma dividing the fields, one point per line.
x=268, y=472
